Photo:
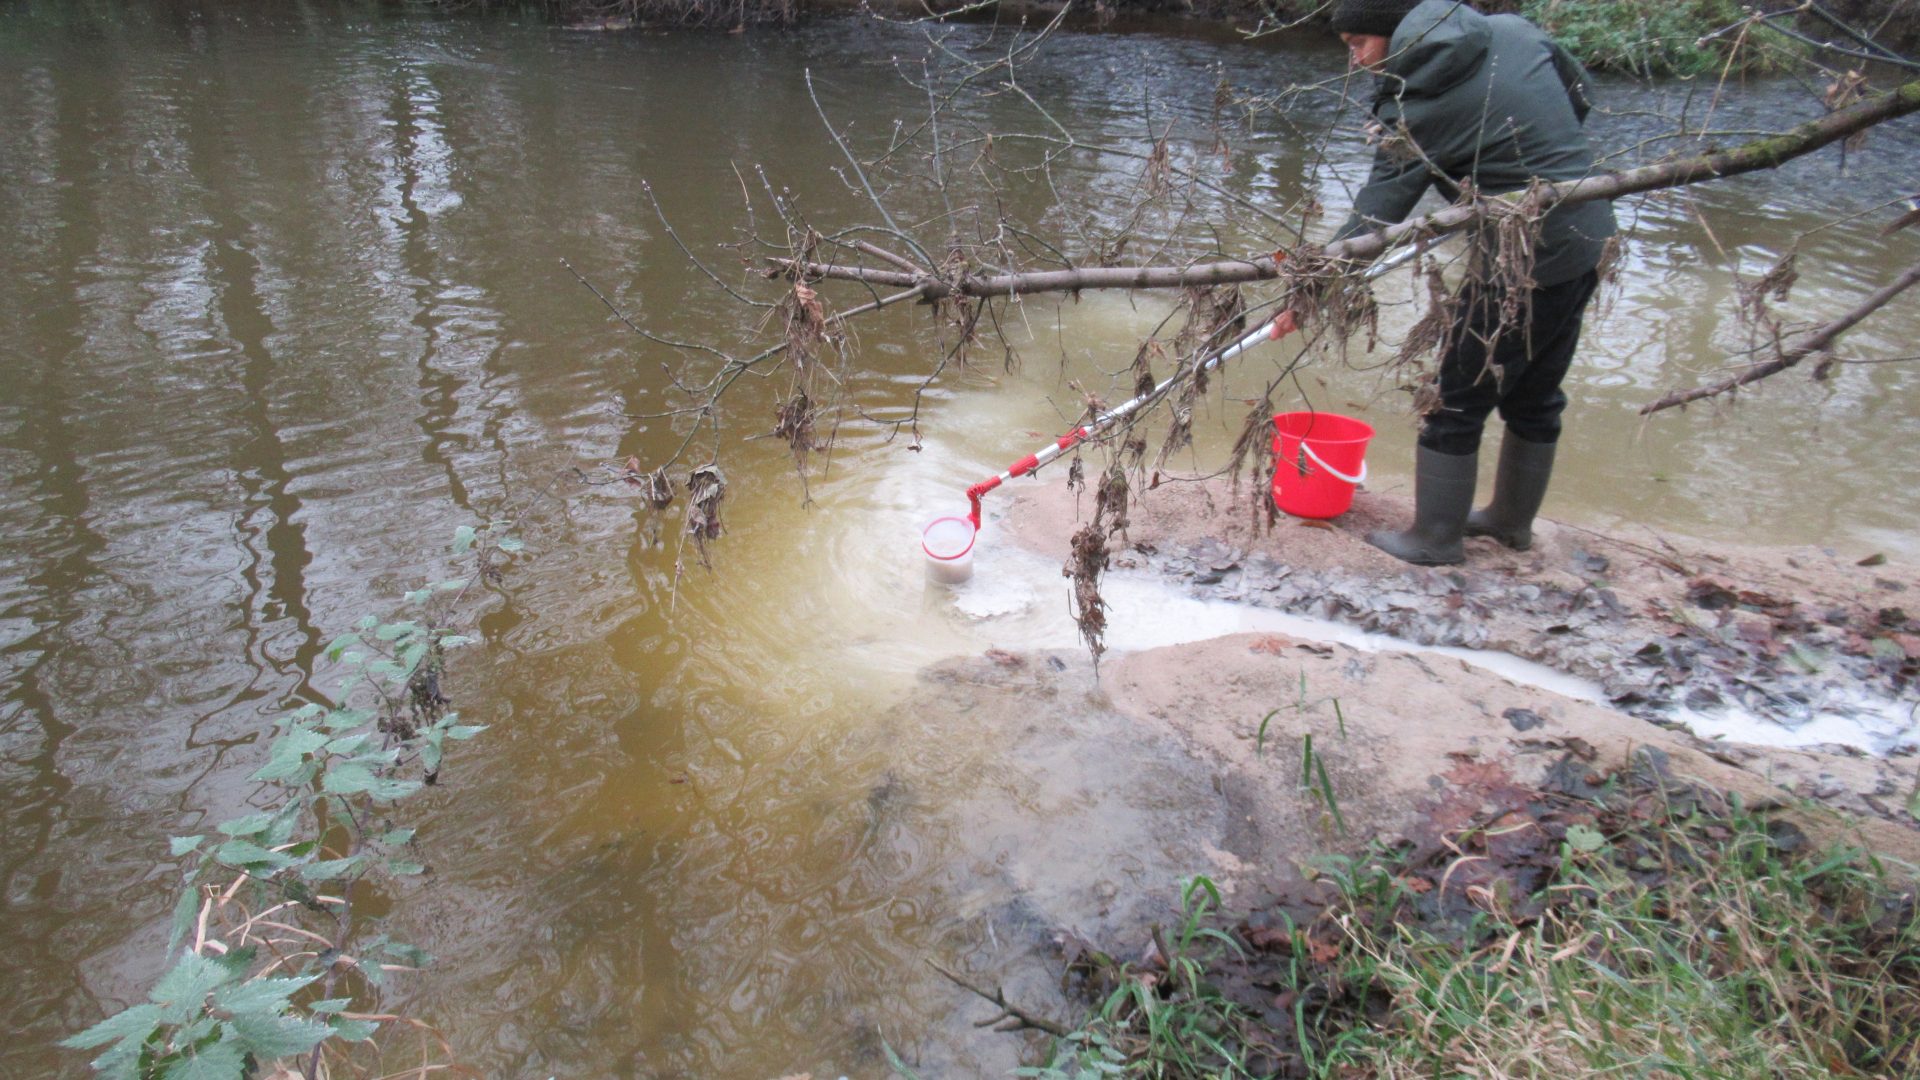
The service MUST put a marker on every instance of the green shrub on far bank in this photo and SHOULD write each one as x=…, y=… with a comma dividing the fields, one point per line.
x=1653, y=37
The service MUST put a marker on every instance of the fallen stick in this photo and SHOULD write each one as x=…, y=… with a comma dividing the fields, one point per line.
x=1008, y=1010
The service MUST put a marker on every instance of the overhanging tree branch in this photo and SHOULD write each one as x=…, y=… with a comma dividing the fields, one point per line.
x=1815, y=343
x=1754, y=156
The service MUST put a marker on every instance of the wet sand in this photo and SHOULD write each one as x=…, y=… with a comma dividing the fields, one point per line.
x=1794, y=644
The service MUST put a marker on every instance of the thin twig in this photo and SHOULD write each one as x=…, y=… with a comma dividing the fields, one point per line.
x=1008, y=1010
x=1815, y=342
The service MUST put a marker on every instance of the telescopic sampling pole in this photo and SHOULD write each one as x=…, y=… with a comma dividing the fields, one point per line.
x=1280, y=327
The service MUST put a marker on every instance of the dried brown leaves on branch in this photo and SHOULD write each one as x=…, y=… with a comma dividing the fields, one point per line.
x=1158, y=180
x=1088, y=556
x=706, y=489
x=961, y=313
x=1212, y=310
x=1755, y=297
x=1143, y=378
x=1329, y=297
x=1514, y=235
x=656, y=486
x=1430, y=332
x=1253, y=447
x=805, y=322
x=793, y=425
x=1774, y=286
x=1214, y=314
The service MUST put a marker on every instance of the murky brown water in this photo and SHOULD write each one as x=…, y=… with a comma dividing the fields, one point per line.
x=283, y=306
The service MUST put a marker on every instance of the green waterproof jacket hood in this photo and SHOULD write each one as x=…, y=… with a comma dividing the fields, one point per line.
x=1437, y=47
x=1486, y=100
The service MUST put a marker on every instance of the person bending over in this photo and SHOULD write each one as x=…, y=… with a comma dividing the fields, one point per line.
x=1492, y=102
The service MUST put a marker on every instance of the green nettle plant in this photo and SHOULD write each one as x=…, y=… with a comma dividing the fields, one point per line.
x=1654, y=37
x=274, y=973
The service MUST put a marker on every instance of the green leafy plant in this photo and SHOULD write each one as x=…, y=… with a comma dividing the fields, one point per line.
x=1656, y=37
x=1661, y=929
x=1163, y=1022
x=1300, y=706
x=271, y=957
x=1314, y=779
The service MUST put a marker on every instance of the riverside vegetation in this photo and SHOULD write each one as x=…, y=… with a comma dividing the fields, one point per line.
x=1634, y=926
x=280, y=968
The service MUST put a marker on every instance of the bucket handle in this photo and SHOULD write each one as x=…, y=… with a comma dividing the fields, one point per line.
x=1307, y=449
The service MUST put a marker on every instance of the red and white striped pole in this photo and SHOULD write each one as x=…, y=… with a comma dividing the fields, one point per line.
x=1282, y=325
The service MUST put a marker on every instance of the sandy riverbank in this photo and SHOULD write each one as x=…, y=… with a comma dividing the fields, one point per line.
x=1800, y=645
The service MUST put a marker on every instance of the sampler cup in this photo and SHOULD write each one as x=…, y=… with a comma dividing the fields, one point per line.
x=948, y=544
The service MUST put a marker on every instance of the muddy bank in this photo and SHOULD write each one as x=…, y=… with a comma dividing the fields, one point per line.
x=1245, y=756
x=1817, y=644
x=1297, y=745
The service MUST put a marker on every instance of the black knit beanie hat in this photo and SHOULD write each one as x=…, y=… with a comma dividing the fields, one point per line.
x=1380, y=17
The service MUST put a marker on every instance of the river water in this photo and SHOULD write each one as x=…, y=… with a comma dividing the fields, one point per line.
x=283, y=306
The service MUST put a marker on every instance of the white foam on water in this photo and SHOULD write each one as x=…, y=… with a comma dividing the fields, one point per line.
x=1853, y=718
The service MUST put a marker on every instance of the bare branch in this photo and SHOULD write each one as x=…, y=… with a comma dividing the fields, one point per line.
x=872, y=195
x=1815, y=343
x=631, y=325
x=1008, y=1010
x=1094, y=277
x=900, y=261
x=1754, y=156
x=1878, y=54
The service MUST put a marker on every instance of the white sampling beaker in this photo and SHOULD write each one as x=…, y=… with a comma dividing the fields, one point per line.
x=948, y=544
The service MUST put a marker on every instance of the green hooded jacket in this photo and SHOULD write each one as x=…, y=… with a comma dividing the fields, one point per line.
x=1490, y=100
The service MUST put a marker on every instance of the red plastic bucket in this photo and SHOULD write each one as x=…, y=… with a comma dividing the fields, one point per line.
x=1318, y=459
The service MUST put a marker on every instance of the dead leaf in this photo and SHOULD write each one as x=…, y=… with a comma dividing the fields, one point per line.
x=1878, y=558
x=1268, y=937
x=1268, y=646
x=1483, y=775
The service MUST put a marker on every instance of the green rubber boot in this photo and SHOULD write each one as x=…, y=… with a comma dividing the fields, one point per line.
x=1519, y=487
x=1442, y=498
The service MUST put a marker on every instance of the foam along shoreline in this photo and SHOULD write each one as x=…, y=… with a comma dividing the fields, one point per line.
x=1771, y=647
x=1012, y=601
